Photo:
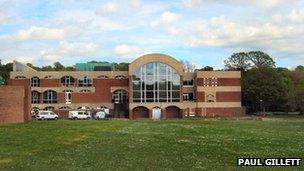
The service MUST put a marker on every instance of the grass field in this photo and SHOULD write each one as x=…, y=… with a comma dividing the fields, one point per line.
x=146, y=144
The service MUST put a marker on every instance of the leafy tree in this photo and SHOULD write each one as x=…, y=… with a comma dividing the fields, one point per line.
x=121, y=66
x=5, y=71
x=238, y=61
x=298, y=80
x=262, y=84
x=300, y=68
x=260, y=59
x=47, y=68
x=58, y=66
x=206, y=68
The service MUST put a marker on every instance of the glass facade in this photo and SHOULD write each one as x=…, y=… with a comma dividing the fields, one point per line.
x=156, y=82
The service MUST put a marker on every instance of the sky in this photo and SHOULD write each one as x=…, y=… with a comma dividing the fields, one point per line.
x=204, y=32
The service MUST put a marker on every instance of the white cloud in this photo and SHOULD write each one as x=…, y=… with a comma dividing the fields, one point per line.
x=5, y=18
x=40, y=33
x=126, y=51
x=66, y=49
x=259, y=3
x=107, y=8
x=192, y=3
x=166, y=19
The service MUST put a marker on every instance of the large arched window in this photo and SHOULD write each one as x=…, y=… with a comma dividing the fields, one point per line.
x=156, y=82
x=67, y=81
x=35, y=97
x=85, y=81
x=35, y=82
x=50, y=96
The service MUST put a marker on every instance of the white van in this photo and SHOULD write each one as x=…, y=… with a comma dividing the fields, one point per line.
x=79, y=115
x=45, y=115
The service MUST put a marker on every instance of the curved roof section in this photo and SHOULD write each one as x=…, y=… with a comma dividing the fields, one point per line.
x=156, y=57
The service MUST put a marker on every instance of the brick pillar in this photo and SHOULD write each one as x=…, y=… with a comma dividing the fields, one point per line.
x=182, y=113
x=131, y=114
x=150, y=113
x=163, y=112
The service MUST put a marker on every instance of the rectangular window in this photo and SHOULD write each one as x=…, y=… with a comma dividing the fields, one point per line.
x=188, y=82
x=188, y=96
x=68, y=97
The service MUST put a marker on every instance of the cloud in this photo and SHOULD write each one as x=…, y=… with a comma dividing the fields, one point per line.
x=126, y=51
x=166, y=19
x=5, y=18
x=259, y=3
x=40, y=33
x=223, y=32
x=67, y=49
x=107, y=8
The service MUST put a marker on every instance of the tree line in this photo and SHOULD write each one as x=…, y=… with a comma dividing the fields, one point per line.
x=266, y=87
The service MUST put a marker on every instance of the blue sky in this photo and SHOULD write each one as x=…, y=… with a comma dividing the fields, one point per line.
x=204, y=32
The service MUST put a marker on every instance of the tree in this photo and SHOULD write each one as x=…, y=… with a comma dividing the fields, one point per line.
x=300, y=68
x=188, y=66
x=121, y=66
x=206, y=68
x=5, y=71
x=238, y=61
x=262, y=84
x=260, y=59
x=58, y=66
x=298, y=80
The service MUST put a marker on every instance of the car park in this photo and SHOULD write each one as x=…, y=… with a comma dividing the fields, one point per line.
x=46, y=115
x=79, y=115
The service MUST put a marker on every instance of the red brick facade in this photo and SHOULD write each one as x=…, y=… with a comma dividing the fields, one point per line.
x=228, y=96
x=213, y=93
x=13, y=105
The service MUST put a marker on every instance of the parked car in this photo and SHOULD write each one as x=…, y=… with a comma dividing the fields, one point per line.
x=79, y=115
x=101, y=115
x=34, y=113
x=46, y=115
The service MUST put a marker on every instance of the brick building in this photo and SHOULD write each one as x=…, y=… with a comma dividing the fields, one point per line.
x=155, y=86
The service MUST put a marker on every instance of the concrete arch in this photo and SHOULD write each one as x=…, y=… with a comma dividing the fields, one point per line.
x=155, y=57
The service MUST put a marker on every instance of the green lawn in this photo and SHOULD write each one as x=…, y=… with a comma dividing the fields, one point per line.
x=146, y=144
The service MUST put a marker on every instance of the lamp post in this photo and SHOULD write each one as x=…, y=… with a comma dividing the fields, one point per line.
x=261, y=106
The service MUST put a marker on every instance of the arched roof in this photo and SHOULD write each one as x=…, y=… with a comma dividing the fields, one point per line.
x=155, y=57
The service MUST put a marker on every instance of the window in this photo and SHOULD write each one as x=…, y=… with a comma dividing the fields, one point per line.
x=35, y=97
x=210, y=82
x=85, y=82
x=188, y=96
x=156, y=82
x=20, y=77
x=188, y=82
x=85, y=91
x=35, y=82
x=67, y=81
x=102, y=77
x=19, y=67
x=68, y=96
x=49, y=96
x=120, y=77
x=120, y=96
